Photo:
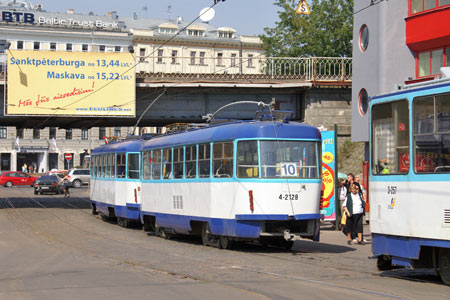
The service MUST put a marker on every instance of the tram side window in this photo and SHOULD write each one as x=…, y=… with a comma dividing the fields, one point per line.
x=146, y=165
x=223, y=160
x=432, y=134
x=133, y=166
x=204, y=163
x=289, y=159
x=111, y=165
x=178, y=158
x=156, y=164
x=120, y=166
x=107, y=166
x=191, y=161
x=94, y=166
x=167, y=163
x=102, y=166
x=247, y=159
x=390, y=138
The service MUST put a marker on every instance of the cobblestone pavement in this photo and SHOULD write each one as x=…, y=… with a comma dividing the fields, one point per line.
x=54, y=248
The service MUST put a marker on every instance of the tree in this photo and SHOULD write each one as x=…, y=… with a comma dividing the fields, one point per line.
x=326, y=32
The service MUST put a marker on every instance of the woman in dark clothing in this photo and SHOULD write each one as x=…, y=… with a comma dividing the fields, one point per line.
x=354, y=207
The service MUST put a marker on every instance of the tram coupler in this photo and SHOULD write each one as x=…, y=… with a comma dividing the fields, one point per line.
x=288, y=236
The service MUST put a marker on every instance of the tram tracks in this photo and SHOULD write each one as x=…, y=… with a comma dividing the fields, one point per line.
x=26, y=224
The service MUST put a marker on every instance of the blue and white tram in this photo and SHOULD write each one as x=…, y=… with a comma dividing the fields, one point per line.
x=257, y=180
x=409, y=182
x=115, y=187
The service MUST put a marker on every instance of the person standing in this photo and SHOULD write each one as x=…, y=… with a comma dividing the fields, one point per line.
x=354, y=207
x=342, y=195
x=349, y=181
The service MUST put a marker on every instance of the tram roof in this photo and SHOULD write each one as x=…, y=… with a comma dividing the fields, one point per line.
x=125, y=146
x=241, y=130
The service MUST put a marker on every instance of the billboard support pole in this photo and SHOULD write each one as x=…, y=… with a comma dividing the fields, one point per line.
x=337, y=203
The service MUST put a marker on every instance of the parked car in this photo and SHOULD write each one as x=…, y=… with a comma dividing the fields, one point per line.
x=79, y=177
x=9, y=179
x=48, y=184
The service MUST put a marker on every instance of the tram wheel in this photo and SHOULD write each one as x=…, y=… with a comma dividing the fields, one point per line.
x=384, y=263
x=123, y=222
x=444, y=265
x=225, y=242
x=208, y=238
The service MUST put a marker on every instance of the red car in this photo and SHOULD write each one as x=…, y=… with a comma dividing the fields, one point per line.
x=9, y=179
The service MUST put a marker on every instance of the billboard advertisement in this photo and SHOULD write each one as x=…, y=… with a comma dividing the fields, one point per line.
x=70, y=83
x=328, y=178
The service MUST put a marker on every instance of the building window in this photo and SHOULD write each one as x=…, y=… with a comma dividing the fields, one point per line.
x=52, y=133
x=193, y=53
x=165, y=30
x=363, y=38
x=174, y=56
x=36, y=134
x=37, y=45
x=19, y=44
x=219, y=59
x=19, y=133
x=3, y=132
x=52, y=46
x=363, y=103
x=202, y=58
x=226, y=34
x=68, y=47
x=418, y=6
x=101, y=133
x=117, y=131
x=429, y=63
x=233, y=59
x=69, y=134
x=160, y=56
x=117, y=49
x=195, y=32
x=84, y=134
x=84, y=47
x=250, y=61
x=142, y=54
x=102, y=48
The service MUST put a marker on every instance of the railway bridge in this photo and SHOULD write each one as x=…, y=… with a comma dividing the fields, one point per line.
x=316, y=89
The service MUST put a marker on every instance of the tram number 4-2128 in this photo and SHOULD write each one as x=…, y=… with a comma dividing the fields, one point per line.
x=288, y=197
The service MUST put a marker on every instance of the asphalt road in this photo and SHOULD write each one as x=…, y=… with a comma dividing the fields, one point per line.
x=54, y=248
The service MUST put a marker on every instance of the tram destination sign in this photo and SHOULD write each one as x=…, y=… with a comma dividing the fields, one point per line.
x=70, y=83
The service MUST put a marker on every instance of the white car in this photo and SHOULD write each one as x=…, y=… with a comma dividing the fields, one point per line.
x=78, y=177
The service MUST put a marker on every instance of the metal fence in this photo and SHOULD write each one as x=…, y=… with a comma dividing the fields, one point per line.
x=275, y=68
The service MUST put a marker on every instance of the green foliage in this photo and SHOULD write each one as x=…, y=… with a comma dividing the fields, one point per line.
x=326, y=32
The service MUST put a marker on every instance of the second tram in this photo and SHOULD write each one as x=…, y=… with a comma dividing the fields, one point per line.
x=409, y=182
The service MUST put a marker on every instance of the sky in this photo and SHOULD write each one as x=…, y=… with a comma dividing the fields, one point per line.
x=246, y=16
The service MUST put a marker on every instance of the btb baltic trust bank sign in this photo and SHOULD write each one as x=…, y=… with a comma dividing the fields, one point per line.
x=32, y=18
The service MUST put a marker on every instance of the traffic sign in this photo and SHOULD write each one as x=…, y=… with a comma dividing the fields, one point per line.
x=303, y=8
x=68, y=156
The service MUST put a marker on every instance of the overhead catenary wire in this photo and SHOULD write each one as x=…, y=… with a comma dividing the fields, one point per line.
x=139, y=61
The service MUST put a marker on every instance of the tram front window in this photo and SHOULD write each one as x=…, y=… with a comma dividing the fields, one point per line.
x=288, y=159
x=247, y=159
x=432, y=134
x=390, y=138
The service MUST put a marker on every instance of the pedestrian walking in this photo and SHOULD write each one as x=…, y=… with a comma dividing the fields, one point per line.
x=354, y=207
x=342, y=195
x=66, y=181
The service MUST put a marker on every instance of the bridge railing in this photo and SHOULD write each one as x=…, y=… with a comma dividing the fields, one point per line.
x=327, y=69
x=269, y=68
